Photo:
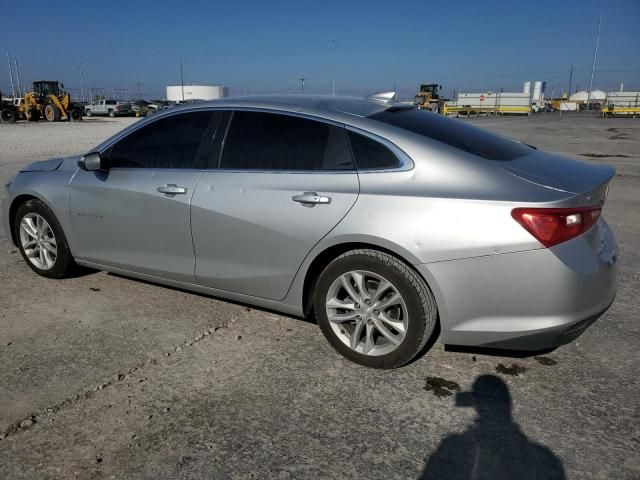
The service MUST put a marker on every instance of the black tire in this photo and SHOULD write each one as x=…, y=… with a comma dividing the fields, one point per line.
x=112, y=114
x=421, y=306
x=8, y=116
x=88, y=112
x=32, y=114
x=74, y=115
x=64, y=265
x=52, y=113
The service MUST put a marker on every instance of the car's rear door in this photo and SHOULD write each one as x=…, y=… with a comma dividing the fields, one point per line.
x=136, y=214
x=282, y=184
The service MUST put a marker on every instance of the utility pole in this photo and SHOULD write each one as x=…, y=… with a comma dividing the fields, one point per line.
x=593, y=67
x=570, y=81
x=181, y=79
x=13, y=89
x=302, y=84
x=333, y=83
x=81, y=81
x=15, y=62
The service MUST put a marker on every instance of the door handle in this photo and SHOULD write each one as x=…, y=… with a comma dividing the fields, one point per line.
x=311, y=198
x=172, y=189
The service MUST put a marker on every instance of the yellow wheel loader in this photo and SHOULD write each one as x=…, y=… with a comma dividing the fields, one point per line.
x=429, y=97
x=48, y=99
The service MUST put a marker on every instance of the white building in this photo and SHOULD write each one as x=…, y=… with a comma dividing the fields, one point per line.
x=597, y=96
x=196, y=92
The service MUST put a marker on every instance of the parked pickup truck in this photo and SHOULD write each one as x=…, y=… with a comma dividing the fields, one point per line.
x=112, y=108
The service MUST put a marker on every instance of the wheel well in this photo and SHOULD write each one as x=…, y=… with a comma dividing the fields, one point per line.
x=325, y=258
x=19, y=200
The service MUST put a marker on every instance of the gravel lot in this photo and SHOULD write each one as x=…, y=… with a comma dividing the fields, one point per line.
x=107, y=377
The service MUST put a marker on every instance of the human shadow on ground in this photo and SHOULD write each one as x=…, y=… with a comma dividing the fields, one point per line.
x=493, y=447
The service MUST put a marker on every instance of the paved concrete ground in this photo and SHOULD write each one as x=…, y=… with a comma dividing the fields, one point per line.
x=116, y=378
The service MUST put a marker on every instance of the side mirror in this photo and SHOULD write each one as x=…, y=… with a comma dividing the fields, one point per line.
x=91, y=162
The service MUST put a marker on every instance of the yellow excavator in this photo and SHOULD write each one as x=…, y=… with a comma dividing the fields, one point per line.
x=49, y=99
x=429, y=97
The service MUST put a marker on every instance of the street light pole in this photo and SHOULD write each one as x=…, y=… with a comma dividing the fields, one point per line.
x=181, y=79
x=333, y=83
x=570, y=82
x=15, y=62
x=13, y=89
x=593, y=67
x=81, y=81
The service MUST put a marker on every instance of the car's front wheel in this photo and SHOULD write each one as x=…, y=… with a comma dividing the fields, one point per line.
x=41, y=240
x=374, y=309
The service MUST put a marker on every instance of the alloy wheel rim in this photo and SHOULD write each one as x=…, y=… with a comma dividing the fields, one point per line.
x=38, y=241
x=367, y=312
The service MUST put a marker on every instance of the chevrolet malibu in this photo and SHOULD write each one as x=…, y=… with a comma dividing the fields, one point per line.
x=386, y=223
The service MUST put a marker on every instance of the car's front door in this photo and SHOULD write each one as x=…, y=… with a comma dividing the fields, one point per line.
x=282, y=184
x=136, y=214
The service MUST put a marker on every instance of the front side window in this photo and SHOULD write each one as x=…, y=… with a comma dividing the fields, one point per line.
x=269, y=141
x=170, y=142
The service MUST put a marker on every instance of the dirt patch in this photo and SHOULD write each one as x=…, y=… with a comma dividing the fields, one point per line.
x=441, y=387
x=514, y=370
x=546, y=361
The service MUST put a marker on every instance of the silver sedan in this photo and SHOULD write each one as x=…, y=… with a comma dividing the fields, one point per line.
x=386, y=223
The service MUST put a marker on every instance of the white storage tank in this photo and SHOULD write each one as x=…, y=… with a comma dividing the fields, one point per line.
x=196, y=92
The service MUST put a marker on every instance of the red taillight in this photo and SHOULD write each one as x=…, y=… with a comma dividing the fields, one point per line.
x=552, y=226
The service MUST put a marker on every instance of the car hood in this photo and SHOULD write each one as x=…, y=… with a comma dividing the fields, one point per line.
x=559, y=173
x=43, y=166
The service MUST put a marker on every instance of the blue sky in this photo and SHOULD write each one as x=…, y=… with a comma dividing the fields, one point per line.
x=265, y=47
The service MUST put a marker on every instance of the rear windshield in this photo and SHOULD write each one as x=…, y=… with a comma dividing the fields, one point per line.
x=111, y=102
x=454, y=133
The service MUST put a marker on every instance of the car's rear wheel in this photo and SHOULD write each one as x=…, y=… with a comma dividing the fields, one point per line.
x=41, y=240
x=374, y=309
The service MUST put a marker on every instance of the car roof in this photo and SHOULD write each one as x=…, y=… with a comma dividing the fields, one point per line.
x=324, y=105
x=353, y=111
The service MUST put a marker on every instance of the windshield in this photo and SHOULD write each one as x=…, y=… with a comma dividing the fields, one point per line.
x=454, y=133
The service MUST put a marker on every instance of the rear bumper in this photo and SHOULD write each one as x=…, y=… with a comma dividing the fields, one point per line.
x=532, y=300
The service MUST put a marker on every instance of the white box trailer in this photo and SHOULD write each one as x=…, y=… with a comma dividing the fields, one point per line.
x=489, y=102
x=622, y=103
x=568, y=106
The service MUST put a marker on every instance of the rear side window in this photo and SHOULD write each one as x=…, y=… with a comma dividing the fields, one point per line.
x=268, y=141
x=371, y=155
x=454, y=133
x=170, y=142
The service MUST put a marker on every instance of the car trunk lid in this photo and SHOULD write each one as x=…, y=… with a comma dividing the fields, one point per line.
x=559, y=173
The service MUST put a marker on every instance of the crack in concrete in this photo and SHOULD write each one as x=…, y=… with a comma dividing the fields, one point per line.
x=27, y=422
